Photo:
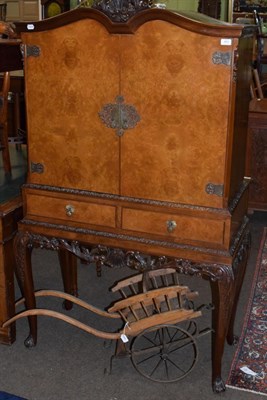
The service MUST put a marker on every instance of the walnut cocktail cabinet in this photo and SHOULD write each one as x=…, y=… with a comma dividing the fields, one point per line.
x=137, y=124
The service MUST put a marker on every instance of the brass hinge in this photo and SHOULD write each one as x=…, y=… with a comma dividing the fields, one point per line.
x=220, y=57
x=30, y=50
x=211, y=188
x=37, y=168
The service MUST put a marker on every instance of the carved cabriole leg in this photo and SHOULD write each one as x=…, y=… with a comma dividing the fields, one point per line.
x=239, y=268
x=225, y=293
x=68, y=265
x=221, y=279
x=23, y=270
x=222, y=298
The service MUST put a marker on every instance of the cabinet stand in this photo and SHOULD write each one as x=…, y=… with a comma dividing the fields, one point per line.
x=225, y=280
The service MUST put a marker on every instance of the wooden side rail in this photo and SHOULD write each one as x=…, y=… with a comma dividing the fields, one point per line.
x=73, y=299
x=65, y=318
x=148, y=280
x=134, y=304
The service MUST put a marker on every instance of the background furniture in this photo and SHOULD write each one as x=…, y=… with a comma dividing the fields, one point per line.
x=16, y=107
x=257, y=154
x=4, y=122
x=243, y=9
x=129, y=165
x=10, y=213
x=258, y=88
x=11, y=60
x=23, y=10
x=51, y=8
x=3, y=7
x=247, y=15
x=249, y=6
x=210, y=7
x=10, y=205
x=10, y=55
x=261, y=43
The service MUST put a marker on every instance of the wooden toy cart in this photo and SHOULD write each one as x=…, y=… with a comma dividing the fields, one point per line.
x=152, y=304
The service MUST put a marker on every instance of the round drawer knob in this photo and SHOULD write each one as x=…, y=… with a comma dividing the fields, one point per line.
x=69, y=210
x=171, y=225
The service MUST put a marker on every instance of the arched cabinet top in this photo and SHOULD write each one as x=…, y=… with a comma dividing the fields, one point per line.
x=191, y=21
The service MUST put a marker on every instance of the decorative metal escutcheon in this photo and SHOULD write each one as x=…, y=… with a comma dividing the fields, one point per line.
x=119, y=116
x=37, y=168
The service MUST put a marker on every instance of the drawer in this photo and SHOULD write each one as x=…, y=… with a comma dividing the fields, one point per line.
x=71, y=210
x=180, y=227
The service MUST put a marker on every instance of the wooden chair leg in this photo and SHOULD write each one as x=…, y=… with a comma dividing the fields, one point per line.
x=5, y=150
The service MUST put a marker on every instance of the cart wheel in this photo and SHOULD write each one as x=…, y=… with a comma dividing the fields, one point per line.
x=164, y=353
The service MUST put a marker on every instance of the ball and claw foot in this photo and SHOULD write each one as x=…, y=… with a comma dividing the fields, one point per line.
x=218, y=385
x=235, y=340
x=29, y=342
x=232, y=340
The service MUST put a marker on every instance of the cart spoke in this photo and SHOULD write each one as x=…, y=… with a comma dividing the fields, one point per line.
x=172, y=356
x=146, y=359
x=146, y=351
x=177, y=366
x=156, y=367
x=171, y=337
x=186, y=342
x=152, y=341
x=166, y=369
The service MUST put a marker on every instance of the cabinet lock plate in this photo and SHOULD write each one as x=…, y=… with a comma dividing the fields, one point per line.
x=119, y=116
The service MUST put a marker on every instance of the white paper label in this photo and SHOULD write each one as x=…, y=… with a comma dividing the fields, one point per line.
x=124, y=338
x=248, y=371
x=30, y=27
x=226, y=42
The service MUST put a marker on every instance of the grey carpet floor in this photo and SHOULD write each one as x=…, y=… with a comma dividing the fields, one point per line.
x=69, y=364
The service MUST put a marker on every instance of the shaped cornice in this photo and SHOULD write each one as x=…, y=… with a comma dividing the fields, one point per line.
x=190, y=21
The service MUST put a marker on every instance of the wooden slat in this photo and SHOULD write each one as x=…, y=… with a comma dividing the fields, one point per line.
x=170, y=290
x=138, y=278
x=169, y=317
x=158, y=304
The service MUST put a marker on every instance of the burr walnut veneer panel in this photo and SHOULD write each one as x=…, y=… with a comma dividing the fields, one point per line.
x=175, y=119
x=69, y=121
x=183, y=120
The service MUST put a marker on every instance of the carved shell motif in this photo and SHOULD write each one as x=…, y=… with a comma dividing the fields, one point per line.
x=121, y=10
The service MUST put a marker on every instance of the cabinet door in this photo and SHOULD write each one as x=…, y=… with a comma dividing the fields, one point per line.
x=179, y=145
x=67, y=85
